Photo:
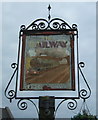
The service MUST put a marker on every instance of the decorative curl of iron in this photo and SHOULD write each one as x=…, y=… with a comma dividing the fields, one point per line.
x=74, y=26
x=14, y=65
x=23, y=27
x=11, y=93
x=71, y=105
x=84, y=94
x=22, y=104
x=39, y=24
x=54, y=24
x=82, y=64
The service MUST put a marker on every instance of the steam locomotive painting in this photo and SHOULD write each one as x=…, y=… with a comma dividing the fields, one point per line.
x=48, y=62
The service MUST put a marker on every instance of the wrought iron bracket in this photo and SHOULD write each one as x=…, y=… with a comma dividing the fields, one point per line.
x=83, y=93
x=55, y=24
x=11, y=93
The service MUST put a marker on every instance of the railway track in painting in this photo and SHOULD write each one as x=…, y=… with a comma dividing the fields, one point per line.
x=59, y=74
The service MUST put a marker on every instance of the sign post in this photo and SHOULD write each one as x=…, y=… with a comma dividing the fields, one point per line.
x=46, y=108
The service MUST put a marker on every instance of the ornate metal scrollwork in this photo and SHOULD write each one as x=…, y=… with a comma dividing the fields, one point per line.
x=72, y=104
x=84, y=94
x=14, y=65
x=74, y=26
x=23, y=27
x=11, y=93
x=54, y=24
x=22, y=104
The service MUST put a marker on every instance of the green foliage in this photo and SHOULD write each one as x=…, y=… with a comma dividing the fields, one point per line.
x=84, y=117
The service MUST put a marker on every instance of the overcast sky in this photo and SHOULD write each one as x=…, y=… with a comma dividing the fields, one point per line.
x=83, y=14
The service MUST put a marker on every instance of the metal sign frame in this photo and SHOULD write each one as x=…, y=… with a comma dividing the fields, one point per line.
x=43, y=26
x=53, y=27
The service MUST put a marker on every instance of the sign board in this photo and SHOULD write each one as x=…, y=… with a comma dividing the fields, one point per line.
x=47, y=61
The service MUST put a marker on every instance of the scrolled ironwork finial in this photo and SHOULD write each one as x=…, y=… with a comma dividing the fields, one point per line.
x=49, y=16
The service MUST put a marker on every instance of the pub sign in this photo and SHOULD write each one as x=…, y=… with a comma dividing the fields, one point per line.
x=47, y=61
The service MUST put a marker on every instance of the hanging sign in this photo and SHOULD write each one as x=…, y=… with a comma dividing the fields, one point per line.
x=47, y=61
